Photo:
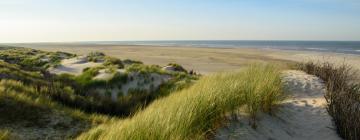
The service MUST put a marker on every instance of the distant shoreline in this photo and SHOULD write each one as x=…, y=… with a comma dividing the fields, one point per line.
x=344, y=47
x=202, y=59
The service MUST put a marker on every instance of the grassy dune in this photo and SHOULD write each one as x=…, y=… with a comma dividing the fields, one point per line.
x=193, y=112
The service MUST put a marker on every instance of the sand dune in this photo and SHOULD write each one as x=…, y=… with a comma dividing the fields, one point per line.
x=302, y=116
x=74, y=66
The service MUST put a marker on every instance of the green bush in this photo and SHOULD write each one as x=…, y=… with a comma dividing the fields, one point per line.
x=113, y=61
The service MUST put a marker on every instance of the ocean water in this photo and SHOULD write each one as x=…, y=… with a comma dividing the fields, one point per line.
x=347, y=47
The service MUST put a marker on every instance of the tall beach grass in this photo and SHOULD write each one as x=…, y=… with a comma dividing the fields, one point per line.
x=194, y=112
x=6, y=135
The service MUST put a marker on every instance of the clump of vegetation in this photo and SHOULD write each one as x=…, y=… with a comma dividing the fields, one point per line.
x=143, y=69
x=41, y=94
x=113, y=61
x=177, y=67
x=129, y=62
x=6, y=135
x=27, y=107
x=193, y=112
x=85, y=80
x=96, y=56
x=31, y=59
x=342, y=96
x=261, y=90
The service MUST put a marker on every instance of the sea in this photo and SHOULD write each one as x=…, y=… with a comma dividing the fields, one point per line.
x=346, y=47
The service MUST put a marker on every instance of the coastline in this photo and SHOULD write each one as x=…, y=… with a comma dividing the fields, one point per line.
x=202, y=59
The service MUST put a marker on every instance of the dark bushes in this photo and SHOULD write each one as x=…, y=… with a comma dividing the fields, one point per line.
x=343, y=95
x=129, y=62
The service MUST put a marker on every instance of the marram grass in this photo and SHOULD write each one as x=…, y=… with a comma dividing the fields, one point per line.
x=192, y=113
x=5, y=135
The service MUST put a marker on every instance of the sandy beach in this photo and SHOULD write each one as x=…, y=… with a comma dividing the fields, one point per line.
x=203, y=60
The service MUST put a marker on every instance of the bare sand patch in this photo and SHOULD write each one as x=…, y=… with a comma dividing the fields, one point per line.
x=104, y=75
x=135, y=81
x=74, y=65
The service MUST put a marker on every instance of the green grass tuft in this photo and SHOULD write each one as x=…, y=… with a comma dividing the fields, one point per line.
x=193, y=112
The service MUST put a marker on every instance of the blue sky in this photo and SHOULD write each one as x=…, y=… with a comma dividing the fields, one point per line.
x=101, y=20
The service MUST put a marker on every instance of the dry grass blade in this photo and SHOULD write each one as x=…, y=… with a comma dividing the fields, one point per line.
x=343, y=96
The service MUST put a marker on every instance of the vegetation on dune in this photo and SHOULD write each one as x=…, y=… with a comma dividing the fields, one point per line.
x=5, y=135
x=141, y=68
x=193, y=112
x=177, y=67
x=184, y=109
x=129, y=62
x=32, y=59
x=261, y=90
x=96, y=56
x=113, y=61
x=343, y=95
x=80, y=91
x=27, y=108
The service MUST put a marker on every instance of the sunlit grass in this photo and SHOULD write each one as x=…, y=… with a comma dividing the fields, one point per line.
x=5, y=135
x=192, y=113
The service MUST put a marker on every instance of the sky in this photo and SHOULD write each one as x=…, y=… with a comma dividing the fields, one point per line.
x=123, y=20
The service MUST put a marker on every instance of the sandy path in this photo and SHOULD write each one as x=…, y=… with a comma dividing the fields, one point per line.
x=302, y=116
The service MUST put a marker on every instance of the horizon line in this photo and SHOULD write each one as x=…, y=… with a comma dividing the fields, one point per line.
x=87, y=41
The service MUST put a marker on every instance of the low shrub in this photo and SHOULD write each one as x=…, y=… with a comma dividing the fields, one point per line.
x=342, y=96
x=177, y=67
x=129, y=62
x=113, y=61
x=144, y=69
x=96, y=56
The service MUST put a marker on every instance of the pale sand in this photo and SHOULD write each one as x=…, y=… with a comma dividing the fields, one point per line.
x=302, y=116
x=203, y=60
x=104, y=75
x=73, y=66
x=148, y=83
x=138, y=81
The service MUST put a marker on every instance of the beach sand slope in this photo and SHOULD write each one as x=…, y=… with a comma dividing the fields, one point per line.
x=301, y=116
